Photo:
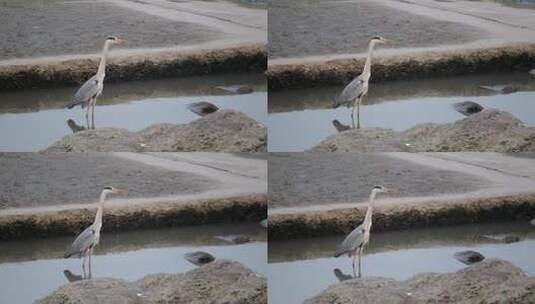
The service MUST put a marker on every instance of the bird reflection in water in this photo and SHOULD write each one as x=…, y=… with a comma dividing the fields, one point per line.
x=74, y=126
x=72, y=277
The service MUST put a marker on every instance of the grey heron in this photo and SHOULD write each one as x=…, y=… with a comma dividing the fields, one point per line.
x=85, y=242
x=87, y=94
x=354, y=243
x=358, y=87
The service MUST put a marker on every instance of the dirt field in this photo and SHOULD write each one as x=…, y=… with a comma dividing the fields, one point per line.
x=311, y=179
x=311, y=27
x=32, y=180
x=41, y=28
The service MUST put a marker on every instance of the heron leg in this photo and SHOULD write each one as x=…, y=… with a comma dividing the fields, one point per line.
x=354, y=257
x=93, y=112
x=90, y=254
x=87, y=114
x=83, y=266
x=358, y=113
x=353, y=113
x=360, y=253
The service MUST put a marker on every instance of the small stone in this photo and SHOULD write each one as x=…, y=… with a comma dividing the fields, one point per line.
x=199, y=258
x=533, y=222
x=264, y=223
x=202, y=108
x=468, y=257
x=501, y=238
x=532, y=73
x=234, y=238
x=237, y=89
x=510, y=89
x=467, y=108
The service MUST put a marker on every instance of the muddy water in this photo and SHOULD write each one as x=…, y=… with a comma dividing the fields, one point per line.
x=308, y=266
x=32, y=269
x=300, y=119
x=33, y=120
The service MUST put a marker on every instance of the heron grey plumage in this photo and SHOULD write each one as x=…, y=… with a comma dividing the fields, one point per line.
x=87, y=94
x=354, y=243
x=358, y=87
x=86, y=241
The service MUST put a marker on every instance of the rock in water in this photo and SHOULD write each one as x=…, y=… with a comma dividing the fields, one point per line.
x=468, y=257
x=341, y=276
x=339, y=126
x=202, y=108
x=234, y=238
x=533, y=222
x=236, y=89
x=264, y=223
x=532, y=73
x=467, y=107
x=501, y=238
x=199, y=258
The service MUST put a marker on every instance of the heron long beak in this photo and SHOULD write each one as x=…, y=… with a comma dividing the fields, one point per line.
x=120, y=191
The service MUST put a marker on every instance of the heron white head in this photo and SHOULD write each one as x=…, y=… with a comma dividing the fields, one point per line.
x=378, y=39
x=114, y=40
x=110, y=190
x=379, y=189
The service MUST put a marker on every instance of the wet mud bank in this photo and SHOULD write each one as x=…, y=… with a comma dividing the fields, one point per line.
x=29, y=224
x=402, y=216
x=492, y=280
x=246, y=58
x=520, y=57
x=222, y=281
x=488, y=130
x=222, y=131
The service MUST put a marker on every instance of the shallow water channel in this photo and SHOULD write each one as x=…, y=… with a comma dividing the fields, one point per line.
x=32, y=269
x=300, y=119
x=32, y=120
x=300, y=269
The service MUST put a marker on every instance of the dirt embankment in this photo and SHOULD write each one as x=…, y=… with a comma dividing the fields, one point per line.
x=217, y=282
x=245, y=58
x=489, y=130
x=133, y=217
x=490, y=281
x=222, y=131
x=517, y=57
x=402, y=216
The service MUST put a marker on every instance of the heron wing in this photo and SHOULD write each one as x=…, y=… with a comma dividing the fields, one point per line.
x=87, y=91
x=352, y=241
x=351, y=92
x=83, y=241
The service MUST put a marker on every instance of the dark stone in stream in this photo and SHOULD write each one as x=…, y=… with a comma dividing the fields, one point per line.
x=341, y=276
x=467, y=108
x=339, y=126
x=500, y=238
x=219, y=282
x=236, y=89
x=199, y=258
x=202, y=108
x=468, y=257
x=490, y=281
x=510, y=89
x=234, y=238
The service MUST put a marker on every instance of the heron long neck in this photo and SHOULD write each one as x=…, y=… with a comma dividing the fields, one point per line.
x=101, y=72
x=369, y=212
x=366, y=72
x=98, y=217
